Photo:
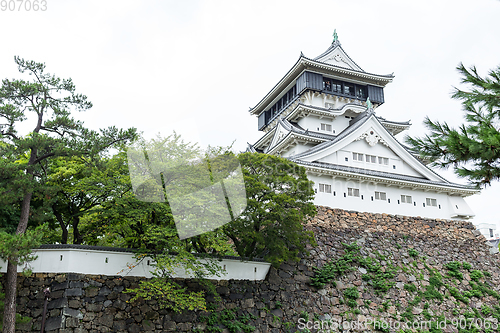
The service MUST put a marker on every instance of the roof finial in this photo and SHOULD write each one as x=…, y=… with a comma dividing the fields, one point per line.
x=335, y=36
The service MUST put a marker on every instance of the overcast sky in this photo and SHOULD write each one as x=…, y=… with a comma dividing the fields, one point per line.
x=198, y=66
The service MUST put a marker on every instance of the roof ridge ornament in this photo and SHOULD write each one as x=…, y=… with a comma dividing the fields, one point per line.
x=369, y=105
x=335, y=38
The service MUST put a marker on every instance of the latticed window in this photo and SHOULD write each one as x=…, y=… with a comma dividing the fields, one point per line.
x=431, y=202
x=371, y=158
x=326, y=127
x=357, y=157
x=406, y=199
x=353, y=192
x=380, y=195
x=325, y=188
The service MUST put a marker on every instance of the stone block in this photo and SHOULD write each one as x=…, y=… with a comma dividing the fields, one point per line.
x=72, y=313
x=59, y=286
x=74, y=292
x=57, y=303
x=72, y=322
x=106, y=320
x=76, y=284
x=54, y=323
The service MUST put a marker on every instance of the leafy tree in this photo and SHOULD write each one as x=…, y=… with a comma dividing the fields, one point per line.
x=24, y=159
x=78, y=185
x=279, y=198
x=473, y=149
x=128, y=220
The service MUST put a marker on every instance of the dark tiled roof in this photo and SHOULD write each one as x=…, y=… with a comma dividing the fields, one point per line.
x=350, y=69
x=394, y=122
x=378, y=173
x=121, y=249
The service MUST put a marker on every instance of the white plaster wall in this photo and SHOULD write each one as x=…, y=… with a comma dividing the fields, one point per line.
x=485, y=230
x=379, y=149
x=97, y=262
x=294, y=150
x=390, y=206
x=313, y=123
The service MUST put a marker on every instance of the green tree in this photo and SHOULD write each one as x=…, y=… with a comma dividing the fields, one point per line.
x=25, y=157
x=78, y=185
x=473, y=149
x=149, y=227
x=279, y=199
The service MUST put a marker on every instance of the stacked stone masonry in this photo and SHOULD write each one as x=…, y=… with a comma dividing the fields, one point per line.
x=90, y=304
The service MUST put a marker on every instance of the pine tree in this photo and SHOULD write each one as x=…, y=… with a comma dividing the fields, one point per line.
x=50, y=100
x=473, y=149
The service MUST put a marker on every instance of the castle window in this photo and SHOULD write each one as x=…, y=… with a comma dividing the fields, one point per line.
x=325, y=188
x=383, y=160
x=337, y=86
x=353, y=192
x=406, y=199
x=360, y=92
x=357, y=157
x=326, y=127
x=380, y=195
x=371, y=158
x=327, y=84
x=491, y=232
x=349, y=89
x=431, y=202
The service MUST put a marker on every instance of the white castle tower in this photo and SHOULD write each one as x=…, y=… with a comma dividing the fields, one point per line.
x=321, y=115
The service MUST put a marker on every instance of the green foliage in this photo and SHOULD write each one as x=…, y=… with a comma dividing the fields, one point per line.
x=456, y=293
x=228, y=319
x=473, y=149
x=454, y=270
x=352, y=294
x=466, y=266
x=19, y=247
x=48, y=100
x=410, y=287
x=413, y=253
x=426, y=315
x=381, y=279
x=482, y=288
x=408, y=314
x=279, y=199
x=335, y=268
x=486, y=310
x=475, y=275
x=169, y=295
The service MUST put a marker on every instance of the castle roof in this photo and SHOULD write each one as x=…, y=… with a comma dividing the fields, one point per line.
x=334, y=62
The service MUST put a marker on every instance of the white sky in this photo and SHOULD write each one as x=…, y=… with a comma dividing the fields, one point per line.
x=197, y=66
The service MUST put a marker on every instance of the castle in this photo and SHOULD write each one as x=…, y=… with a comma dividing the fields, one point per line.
x=321, y=115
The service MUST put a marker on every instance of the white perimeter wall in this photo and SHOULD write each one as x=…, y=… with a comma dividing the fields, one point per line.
x=95, y=262
x=364, y=202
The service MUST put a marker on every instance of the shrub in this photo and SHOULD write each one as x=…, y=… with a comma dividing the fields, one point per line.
x=410, y=287
x=413, y=253
x=466, y=265
x=475, y=275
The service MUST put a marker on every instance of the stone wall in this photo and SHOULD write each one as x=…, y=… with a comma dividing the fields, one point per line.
x=96, y=303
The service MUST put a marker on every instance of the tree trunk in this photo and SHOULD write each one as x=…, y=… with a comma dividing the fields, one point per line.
x=64, y=236
x=77, y=238
x=9, y=313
